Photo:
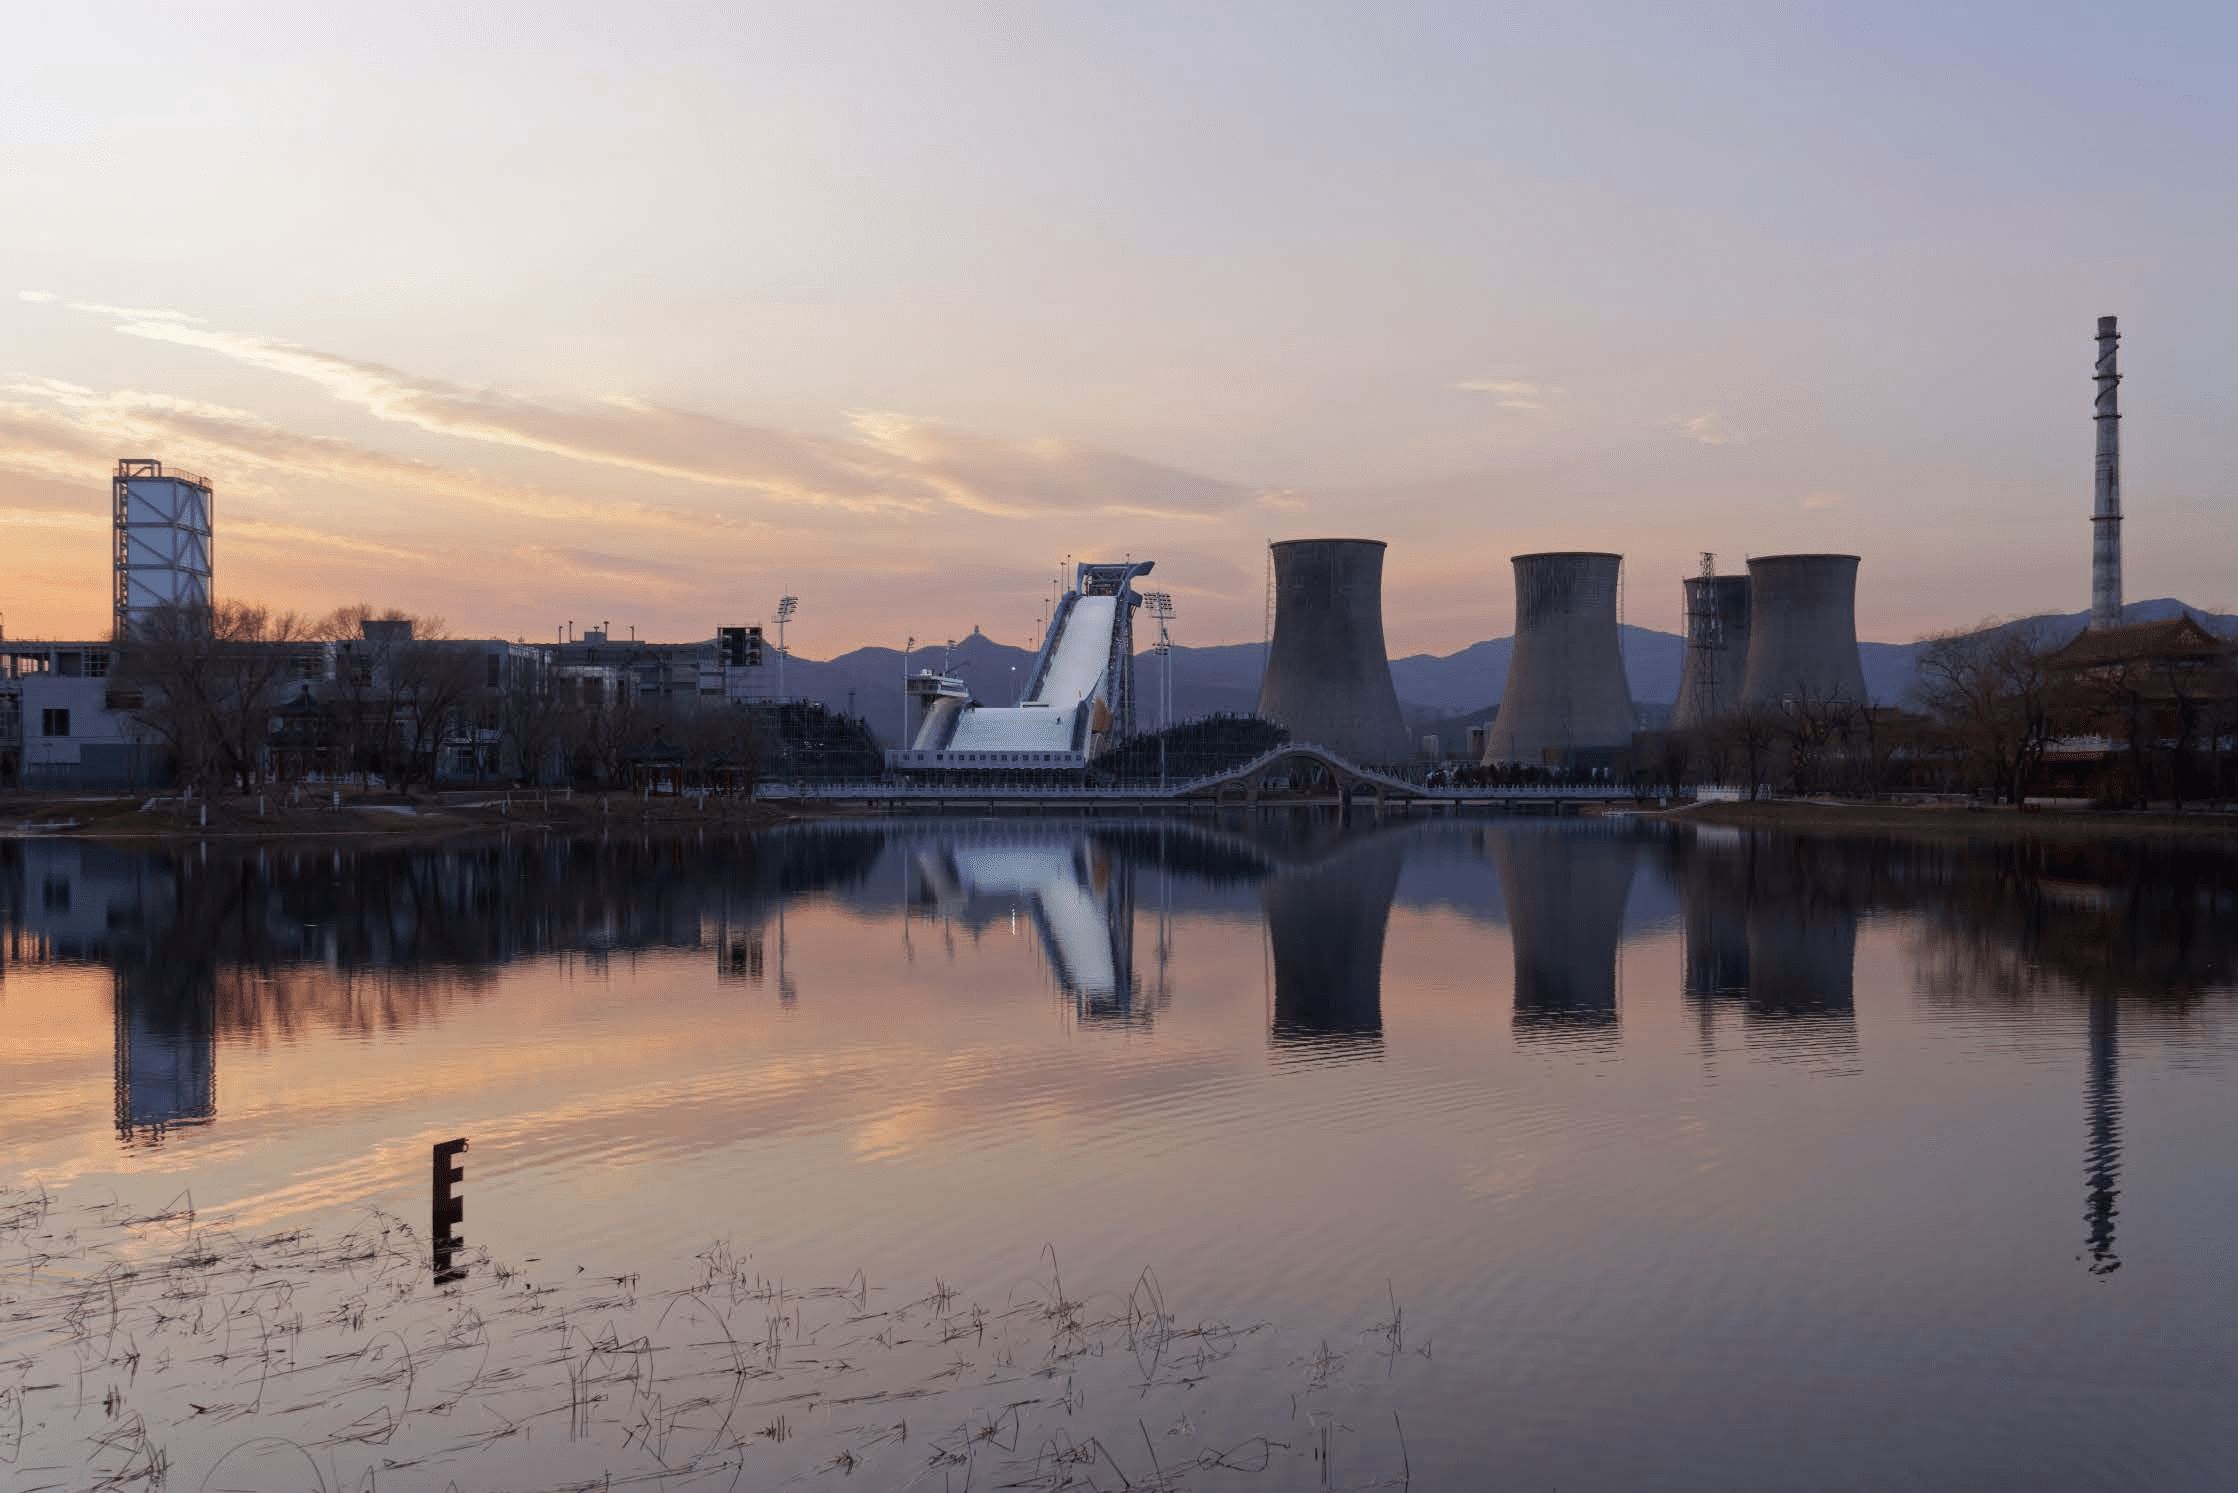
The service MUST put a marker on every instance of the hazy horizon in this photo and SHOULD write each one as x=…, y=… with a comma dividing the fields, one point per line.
x=521, y=316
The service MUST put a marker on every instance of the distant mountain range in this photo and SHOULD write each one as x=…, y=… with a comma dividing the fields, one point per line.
x=1432, y=688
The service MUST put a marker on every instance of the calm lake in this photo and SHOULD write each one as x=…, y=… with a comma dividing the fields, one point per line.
x=1527, y=1153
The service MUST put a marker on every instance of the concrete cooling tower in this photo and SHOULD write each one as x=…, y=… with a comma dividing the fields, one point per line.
x=1565, y=691
x=1328, y=680
x=1802, y=642
x=1717, y=627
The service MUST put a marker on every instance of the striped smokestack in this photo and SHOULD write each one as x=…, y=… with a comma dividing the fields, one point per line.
x=2105, y=512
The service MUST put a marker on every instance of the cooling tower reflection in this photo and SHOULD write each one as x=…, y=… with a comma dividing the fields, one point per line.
x=1565, y=887
x=1325, y=928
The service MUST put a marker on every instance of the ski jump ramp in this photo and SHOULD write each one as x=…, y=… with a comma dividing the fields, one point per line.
x=1079, y=698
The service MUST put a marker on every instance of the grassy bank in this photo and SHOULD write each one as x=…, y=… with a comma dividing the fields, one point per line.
x=1958, y=822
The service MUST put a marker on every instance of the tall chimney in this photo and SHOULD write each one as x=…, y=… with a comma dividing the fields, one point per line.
x=2105, y=513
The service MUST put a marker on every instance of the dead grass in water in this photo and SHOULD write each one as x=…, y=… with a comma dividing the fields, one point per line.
x=162, y=1350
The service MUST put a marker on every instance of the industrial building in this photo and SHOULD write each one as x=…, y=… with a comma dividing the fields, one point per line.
x=163, y=540
x=1802, y=643
x=1566, y=697
x=1328, y=678
x=1717, y=632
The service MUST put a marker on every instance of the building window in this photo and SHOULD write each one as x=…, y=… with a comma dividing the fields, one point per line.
x=97, y=664
x=491, y=679
x=54, y=723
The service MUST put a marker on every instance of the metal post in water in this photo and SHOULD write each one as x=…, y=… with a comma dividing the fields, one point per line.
x=449, y=1209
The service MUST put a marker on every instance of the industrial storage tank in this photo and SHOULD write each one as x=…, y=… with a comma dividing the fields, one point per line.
x=1717, y=629
x=1566, y=691
x=1328, y=680
x=1802, y=631
x=163, y=526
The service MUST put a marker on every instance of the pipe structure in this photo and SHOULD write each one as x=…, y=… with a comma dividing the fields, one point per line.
x=1328, y=680
x=1717, y=625
x=2105, y=511
x=1802, y=642
x=1565, y=690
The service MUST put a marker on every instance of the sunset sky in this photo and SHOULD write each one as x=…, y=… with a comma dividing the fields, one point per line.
x=528, y=313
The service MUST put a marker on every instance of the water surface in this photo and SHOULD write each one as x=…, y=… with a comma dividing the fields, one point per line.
x=1693, y=1159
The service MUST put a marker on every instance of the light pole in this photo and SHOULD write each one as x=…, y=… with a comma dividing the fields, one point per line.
x=1160, y=606
x=786, y=606
x=901, y=742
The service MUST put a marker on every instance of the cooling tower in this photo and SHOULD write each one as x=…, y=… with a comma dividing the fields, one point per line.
x=1565, y=691
x=1717, y=617
x=1328, y=680
x=1802, y=640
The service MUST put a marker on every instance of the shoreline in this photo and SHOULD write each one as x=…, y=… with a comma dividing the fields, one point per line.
x=1956, y=821
x=381, y=818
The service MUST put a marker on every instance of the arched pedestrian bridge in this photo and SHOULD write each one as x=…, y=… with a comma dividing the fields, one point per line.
x=1296, y=773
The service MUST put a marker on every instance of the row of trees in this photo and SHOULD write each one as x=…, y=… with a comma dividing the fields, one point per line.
x=238, y=694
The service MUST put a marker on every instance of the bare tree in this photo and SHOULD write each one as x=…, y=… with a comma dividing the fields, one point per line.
x=209, y=680
x=1991, y=697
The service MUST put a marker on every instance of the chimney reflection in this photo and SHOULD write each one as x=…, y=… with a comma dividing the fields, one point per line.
x=1565, y=889
x=1325, y=927
x=2102, y=1160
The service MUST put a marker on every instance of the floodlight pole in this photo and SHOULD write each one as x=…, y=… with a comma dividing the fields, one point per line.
x=786, y=606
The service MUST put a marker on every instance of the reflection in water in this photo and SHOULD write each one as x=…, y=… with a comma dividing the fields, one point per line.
x=1325, y=931
x=2102, y=1167
x=1079, y=898
x=1770, y=926
x=1565, y=888
x=166, y=1053
x=207, y=946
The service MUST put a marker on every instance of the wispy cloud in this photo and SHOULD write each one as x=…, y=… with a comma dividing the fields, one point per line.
x=595, y=564
x=38, y=297
x=1709, y=428
x=1816, y=502
x=888, y=463
x=1525, y=395
x=59, y=429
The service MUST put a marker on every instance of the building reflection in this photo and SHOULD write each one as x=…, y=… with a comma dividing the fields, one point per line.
x=1565, y=887
x=1079, y=898
x=1326, y=923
